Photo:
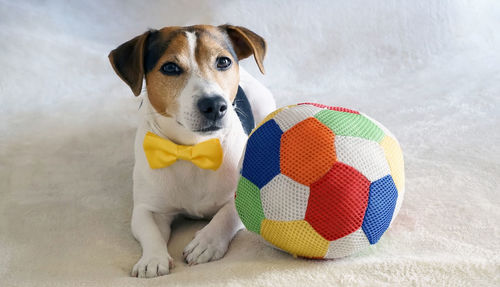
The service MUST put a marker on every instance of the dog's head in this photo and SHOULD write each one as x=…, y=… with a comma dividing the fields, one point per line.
x=191, y=74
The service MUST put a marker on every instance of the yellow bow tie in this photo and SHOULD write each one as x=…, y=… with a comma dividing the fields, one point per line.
x=161, y=152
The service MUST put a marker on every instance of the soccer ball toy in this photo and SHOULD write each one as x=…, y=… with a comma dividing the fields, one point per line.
x=319, y=181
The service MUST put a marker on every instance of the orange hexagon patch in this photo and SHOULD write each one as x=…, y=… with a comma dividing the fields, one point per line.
x=307, y=151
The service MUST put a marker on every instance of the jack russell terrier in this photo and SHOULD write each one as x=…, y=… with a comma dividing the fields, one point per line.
x=196, y=93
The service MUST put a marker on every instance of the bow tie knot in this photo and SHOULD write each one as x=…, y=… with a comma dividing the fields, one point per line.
x=161, y=152
x=184, y=152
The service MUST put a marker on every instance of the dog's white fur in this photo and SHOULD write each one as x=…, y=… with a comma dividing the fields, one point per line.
x=183, y=188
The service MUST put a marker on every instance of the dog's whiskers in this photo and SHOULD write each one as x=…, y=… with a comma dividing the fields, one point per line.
x=241, y=112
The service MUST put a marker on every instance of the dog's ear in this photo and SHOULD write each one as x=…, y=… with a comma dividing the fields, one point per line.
x=246, y=43
x=128, y=62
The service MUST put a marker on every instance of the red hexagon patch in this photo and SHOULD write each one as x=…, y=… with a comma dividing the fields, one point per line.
x=337, y=202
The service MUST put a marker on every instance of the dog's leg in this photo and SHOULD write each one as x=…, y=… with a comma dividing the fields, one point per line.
x=155, y=260
x=211, y=242
x=163, y=222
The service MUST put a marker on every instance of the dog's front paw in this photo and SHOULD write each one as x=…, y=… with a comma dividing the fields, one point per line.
x=205, y=247
x=152, y=266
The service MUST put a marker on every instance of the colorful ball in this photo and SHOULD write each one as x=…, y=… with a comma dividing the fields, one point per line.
x=319, y=181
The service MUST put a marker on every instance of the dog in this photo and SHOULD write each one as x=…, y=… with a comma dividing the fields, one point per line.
x=192, y=77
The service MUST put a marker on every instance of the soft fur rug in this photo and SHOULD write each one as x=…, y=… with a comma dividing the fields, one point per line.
x=429, y=72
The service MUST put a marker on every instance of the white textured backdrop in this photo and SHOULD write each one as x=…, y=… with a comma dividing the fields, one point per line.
x=428, y=70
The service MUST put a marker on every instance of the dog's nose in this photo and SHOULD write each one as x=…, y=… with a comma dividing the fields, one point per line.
x=212, y=107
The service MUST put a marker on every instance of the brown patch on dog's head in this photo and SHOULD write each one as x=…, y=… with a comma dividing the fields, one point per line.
x=139, y=56
x=168, y=45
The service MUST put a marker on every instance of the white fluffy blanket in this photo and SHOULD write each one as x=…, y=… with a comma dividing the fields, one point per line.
x=428, y=70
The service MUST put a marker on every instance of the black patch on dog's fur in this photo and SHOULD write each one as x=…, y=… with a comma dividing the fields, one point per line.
x=156, y=44
x=244, y=110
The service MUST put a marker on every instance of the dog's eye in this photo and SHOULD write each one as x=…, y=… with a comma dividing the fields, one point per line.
x=223, y=63
x=171, y=69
